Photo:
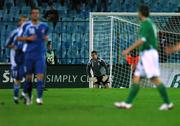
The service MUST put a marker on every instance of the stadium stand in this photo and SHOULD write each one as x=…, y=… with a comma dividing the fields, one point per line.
x=70, y=36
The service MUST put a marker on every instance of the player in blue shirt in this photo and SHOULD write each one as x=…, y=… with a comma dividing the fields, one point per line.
x=16, y=57
x=34, y=36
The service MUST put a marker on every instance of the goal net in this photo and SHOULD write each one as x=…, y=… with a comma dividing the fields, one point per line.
x=110, y=33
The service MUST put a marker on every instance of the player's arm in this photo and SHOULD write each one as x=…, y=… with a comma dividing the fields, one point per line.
x=26, y=39
x=88, y=69
x=134, y=46
x=105, y=66
x=23, y=34
x=105, y=77
x=173, y=49
x=139, y=42
x=9, y=41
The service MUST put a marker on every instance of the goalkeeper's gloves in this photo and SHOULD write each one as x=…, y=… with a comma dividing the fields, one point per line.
x=93, y=79
x=105, y=78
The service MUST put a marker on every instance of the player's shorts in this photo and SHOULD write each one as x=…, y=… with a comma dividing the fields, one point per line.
x=17, y=72
x=148, y=65
x=100, y=81
x=35, y=63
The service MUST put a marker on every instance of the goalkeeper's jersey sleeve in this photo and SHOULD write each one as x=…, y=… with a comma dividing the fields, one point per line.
x=148, y=33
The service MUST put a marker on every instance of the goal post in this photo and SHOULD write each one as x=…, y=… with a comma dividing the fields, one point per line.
x=110, y=33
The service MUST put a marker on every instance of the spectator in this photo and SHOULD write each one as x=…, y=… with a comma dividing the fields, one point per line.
x=92, y=4
x=1, y=4
x=75, y=4
x=52, y=15
x=102, y=5
x=9, y=4
x=50, y=55
x=62, y=2
x=31, y=3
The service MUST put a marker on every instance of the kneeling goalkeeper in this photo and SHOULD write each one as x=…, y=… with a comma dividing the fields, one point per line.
x=99, y=74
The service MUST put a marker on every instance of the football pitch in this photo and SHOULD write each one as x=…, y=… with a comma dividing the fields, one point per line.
x=89, y=107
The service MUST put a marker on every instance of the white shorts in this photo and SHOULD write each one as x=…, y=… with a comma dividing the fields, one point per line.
x=148, y=65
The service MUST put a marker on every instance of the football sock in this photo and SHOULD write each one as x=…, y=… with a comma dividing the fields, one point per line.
x=133, y=92
x=39, y=88
x=162, y=90
x=26, y=85
x=16, y=90
x=29, y=90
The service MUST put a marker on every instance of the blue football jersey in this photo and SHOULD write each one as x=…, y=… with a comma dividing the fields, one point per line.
x=40, y=30
x=16, y=54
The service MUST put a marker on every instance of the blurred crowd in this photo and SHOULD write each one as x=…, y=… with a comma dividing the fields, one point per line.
x=72, y=4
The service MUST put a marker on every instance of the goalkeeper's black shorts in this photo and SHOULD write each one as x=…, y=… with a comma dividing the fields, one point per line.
x=100, y=81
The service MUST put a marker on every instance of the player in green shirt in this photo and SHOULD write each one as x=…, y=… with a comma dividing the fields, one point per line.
x=148, y=65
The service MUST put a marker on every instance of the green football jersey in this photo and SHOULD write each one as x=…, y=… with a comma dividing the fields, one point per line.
x=148, y=33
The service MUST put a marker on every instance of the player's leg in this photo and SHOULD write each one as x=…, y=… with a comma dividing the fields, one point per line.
x=21, y=76
x=162, y=90
x=106, y=85
x=27, y=89
x=40, y=66
x=96, y=85
x=152, y=70
x=134, y=90
x=29, y=65
x=16, y=91
x=105, y=81
x=97, y=82
x=151, y=58
x=14, y=74
x=28, y=83
x=44, y=84
x=127, y=104
x=40, y=78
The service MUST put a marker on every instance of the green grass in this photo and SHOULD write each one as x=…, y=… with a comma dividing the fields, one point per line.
x=90, y=107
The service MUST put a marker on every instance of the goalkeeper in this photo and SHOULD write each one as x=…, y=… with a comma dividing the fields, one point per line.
x=100, y=71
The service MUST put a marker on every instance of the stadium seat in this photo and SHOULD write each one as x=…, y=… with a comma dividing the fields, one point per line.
x=26, y=10
x=1, y=14
x=8, y=4
x=14, y=11
x=7, y=17
x=70, y=27
x=72, y=30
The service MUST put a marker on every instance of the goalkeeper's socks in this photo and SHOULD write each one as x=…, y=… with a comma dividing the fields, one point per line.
x=16, y=90
x=133, y=93
x=162, y=90
x=39, y=88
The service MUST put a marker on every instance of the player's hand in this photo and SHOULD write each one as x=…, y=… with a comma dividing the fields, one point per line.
x=105, y=78
x=125, y=52
x=93, y=79
x=32, y=38
x=46, y=38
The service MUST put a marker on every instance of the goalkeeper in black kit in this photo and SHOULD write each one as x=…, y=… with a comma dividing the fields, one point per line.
x=97, y=71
